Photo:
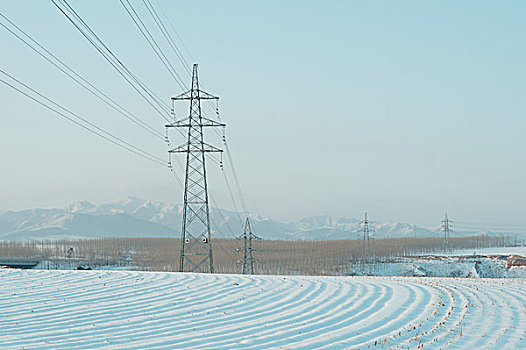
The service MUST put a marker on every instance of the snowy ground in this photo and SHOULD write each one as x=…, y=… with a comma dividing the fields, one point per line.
x=442, y=266
x=42, y=309
x=488, y=251
x=506, y=262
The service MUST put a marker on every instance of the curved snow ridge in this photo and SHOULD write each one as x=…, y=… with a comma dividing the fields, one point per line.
x=137, y=310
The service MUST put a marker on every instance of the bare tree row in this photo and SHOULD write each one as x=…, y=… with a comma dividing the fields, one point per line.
x=275, y=257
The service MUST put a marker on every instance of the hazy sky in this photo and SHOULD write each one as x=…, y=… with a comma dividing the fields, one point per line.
x=404, y=109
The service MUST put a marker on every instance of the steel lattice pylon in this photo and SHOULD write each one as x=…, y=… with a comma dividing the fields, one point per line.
x=196, y=243
x=367, y=250
x=248, y=258
x=446, y=229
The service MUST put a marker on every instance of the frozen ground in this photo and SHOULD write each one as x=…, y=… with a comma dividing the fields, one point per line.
x=446, y=266
x=488, y=251
x=506, y=262
x=42, y=309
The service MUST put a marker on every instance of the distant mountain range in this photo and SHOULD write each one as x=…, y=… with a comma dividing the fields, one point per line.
x=135, y=217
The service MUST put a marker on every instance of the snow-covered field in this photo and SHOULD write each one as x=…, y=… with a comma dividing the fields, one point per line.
x=488, y=251
x=42, y=309
x=443, y=266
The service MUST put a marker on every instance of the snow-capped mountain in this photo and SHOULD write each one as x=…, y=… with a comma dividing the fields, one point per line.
x=135, y=217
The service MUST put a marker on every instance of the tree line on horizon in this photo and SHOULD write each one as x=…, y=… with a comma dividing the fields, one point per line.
x=273, y=257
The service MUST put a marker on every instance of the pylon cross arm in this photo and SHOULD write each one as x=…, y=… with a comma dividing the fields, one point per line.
x=185, y=123
x=184, y=148
x=202, y=95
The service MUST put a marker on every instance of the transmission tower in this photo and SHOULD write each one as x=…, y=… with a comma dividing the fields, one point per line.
x=366, y=243
x=366, y=236
x=248, y=258
x=446, y=230
x=196, y=244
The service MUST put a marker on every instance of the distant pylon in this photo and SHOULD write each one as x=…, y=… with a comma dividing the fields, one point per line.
x=366, y=242
x=196, y=244
x=366, y=237
x=446, y=230
x=248, y=258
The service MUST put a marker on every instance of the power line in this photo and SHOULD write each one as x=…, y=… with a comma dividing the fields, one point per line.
x=152, y=42
x=146, y=33
x=177, y=52
x=176, y=33
x=233, y=170
x=99, y=131
x=64, y=68
x=167, y=36
x=169, y=39
x=485, y=224
x=221, y=213
x=170, y=165
x=139, y=23
x=232, y=197
x=211, y=198
x=486, y=228
x=113, y=60
x=181, y=132
x=148, y=91
x=236, y=180
x=108, y=52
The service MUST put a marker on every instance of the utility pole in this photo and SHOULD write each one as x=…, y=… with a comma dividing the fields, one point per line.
x=248, y=258
x=446, y=229
x=414, y=230
x=196, y=244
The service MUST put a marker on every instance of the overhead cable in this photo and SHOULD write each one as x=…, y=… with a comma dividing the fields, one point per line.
x=98, y=131
x=71, y=73
x=146, y=93
x=151, y=41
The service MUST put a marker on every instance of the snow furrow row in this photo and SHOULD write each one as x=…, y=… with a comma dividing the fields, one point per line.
x=137, y=310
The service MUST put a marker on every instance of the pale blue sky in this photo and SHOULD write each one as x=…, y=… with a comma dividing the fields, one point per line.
x=404, y=109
